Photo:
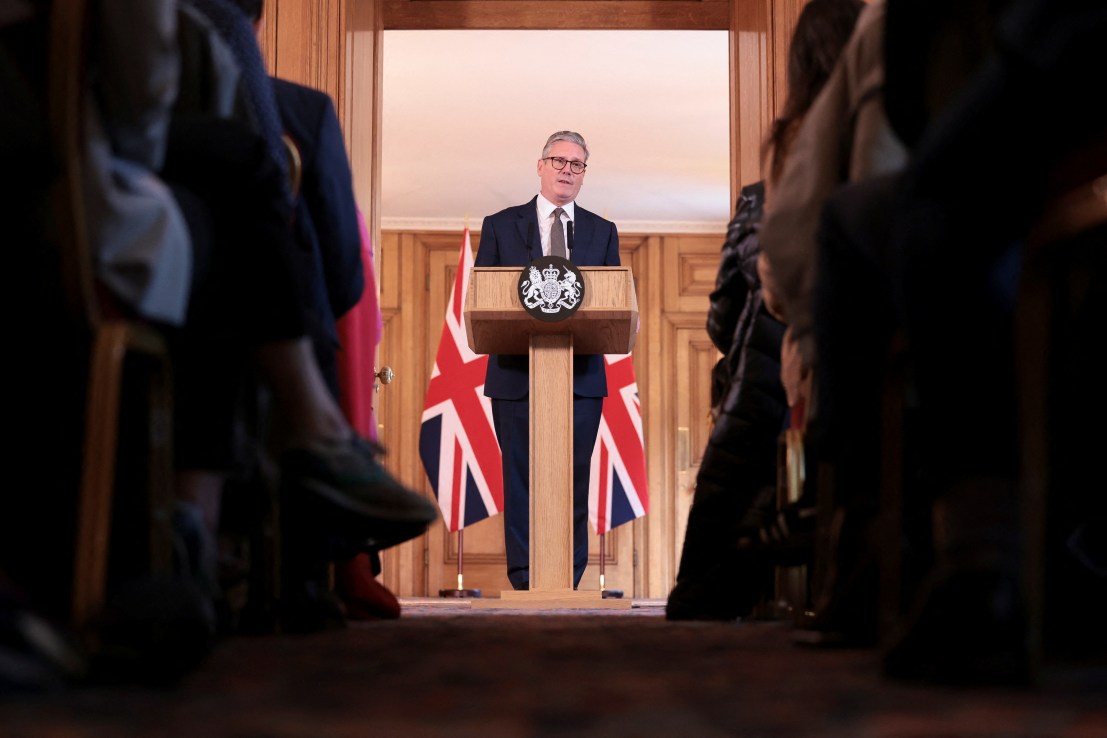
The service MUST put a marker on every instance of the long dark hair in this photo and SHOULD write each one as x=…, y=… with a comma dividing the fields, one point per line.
x=821, y=33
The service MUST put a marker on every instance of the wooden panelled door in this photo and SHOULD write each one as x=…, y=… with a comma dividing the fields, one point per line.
x=673, y=358
x=675, y=386
x=693, y=262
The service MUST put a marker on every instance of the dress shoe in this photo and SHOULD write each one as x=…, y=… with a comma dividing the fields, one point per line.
x=732, y=584
x=720, y=594
x=346, y=480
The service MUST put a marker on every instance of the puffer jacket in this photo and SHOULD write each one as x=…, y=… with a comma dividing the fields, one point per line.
x=737, y=275
x=736, y=302
x=736, y=482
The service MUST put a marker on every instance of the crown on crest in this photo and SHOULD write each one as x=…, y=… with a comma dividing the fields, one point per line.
x=550, y=272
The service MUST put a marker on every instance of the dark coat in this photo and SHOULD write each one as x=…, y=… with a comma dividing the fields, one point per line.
x=736, y=483
x=325, y=217
x=752, y=408
x=736, y=298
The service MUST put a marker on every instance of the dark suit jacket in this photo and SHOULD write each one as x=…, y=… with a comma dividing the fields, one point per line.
x=511, y=238
x=325, y=212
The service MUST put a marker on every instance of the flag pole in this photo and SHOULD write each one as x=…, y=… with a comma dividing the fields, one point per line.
x=461, y=591
x=603, y=583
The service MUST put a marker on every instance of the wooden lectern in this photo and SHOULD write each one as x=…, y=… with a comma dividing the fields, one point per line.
x=605, y=323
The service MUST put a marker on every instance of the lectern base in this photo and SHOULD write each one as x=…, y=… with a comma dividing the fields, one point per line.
x=568, y=599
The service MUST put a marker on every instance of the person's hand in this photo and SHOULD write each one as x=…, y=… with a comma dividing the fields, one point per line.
x=769, y=292
x=793, y=376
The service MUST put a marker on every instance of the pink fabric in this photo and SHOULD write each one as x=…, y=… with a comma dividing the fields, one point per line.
x=359, y=332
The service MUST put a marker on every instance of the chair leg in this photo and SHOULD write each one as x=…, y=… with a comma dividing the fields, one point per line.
x=98, y=472
x=113, y=342
x=1070, y=220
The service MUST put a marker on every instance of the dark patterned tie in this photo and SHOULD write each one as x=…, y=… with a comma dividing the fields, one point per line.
x=557, y=235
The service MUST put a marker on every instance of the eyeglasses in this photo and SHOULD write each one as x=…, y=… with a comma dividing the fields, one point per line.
x=559, y=162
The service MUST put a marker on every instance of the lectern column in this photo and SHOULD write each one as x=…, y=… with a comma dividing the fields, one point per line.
x=551, y=463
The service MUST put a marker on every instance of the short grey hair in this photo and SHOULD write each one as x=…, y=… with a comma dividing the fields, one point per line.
x=570, y=136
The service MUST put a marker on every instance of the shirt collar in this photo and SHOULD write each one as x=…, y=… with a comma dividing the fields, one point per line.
x=546, y=208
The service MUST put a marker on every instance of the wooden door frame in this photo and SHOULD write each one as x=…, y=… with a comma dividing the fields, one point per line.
x=337, y=46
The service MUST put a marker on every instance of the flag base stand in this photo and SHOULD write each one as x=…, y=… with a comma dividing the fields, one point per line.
x=459, y=593
x=605, y=593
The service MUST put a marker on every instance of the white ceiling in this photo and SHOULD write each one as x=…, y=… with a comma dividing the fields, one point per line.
x=466, y=114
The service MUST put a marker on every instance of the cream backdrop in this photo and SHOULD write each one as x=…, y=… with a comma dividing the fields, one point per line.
x=466, y=113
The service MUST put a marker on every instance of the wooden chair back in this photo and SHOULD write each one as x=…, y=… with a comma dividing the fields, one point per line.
x=117, y=345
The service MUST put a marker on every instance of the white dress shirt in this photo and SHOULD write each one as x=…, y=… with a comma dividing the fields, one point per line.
x=545, y=221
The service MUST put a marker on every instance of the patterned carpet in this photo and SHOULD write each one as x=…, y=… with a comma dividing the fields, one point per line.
x=443, y=670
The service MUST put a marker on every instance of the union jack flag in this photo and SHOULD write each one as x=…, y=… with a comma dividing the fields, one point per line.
x=617, y=491
x=457, y=441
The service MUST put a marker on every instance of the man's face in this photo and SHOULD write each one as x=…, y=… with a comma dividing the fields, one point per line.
x=561, y=187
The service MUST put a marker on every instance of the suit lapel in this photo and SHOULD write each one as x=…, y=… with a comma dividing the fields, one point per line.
x=582, y=236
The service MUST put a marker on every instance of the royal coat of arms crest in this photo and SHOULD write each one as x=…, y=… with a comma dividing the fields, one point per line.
x=551, y=288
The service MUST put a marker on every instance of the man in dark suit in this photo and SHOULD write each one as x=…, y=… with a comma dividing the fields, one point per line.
x=325, y=215
x=515, y=237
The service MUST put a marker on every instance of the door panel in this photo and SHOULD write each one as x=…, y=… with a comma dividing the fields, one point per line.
x=694, y=357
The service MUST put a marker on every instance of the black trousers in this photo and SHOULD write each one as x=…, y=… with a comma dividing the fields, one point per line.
x=244, y=290
x=512, y=421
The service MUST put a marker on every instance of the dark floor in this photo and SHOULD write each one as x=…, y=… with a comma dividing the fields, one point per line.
x=446, y=671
